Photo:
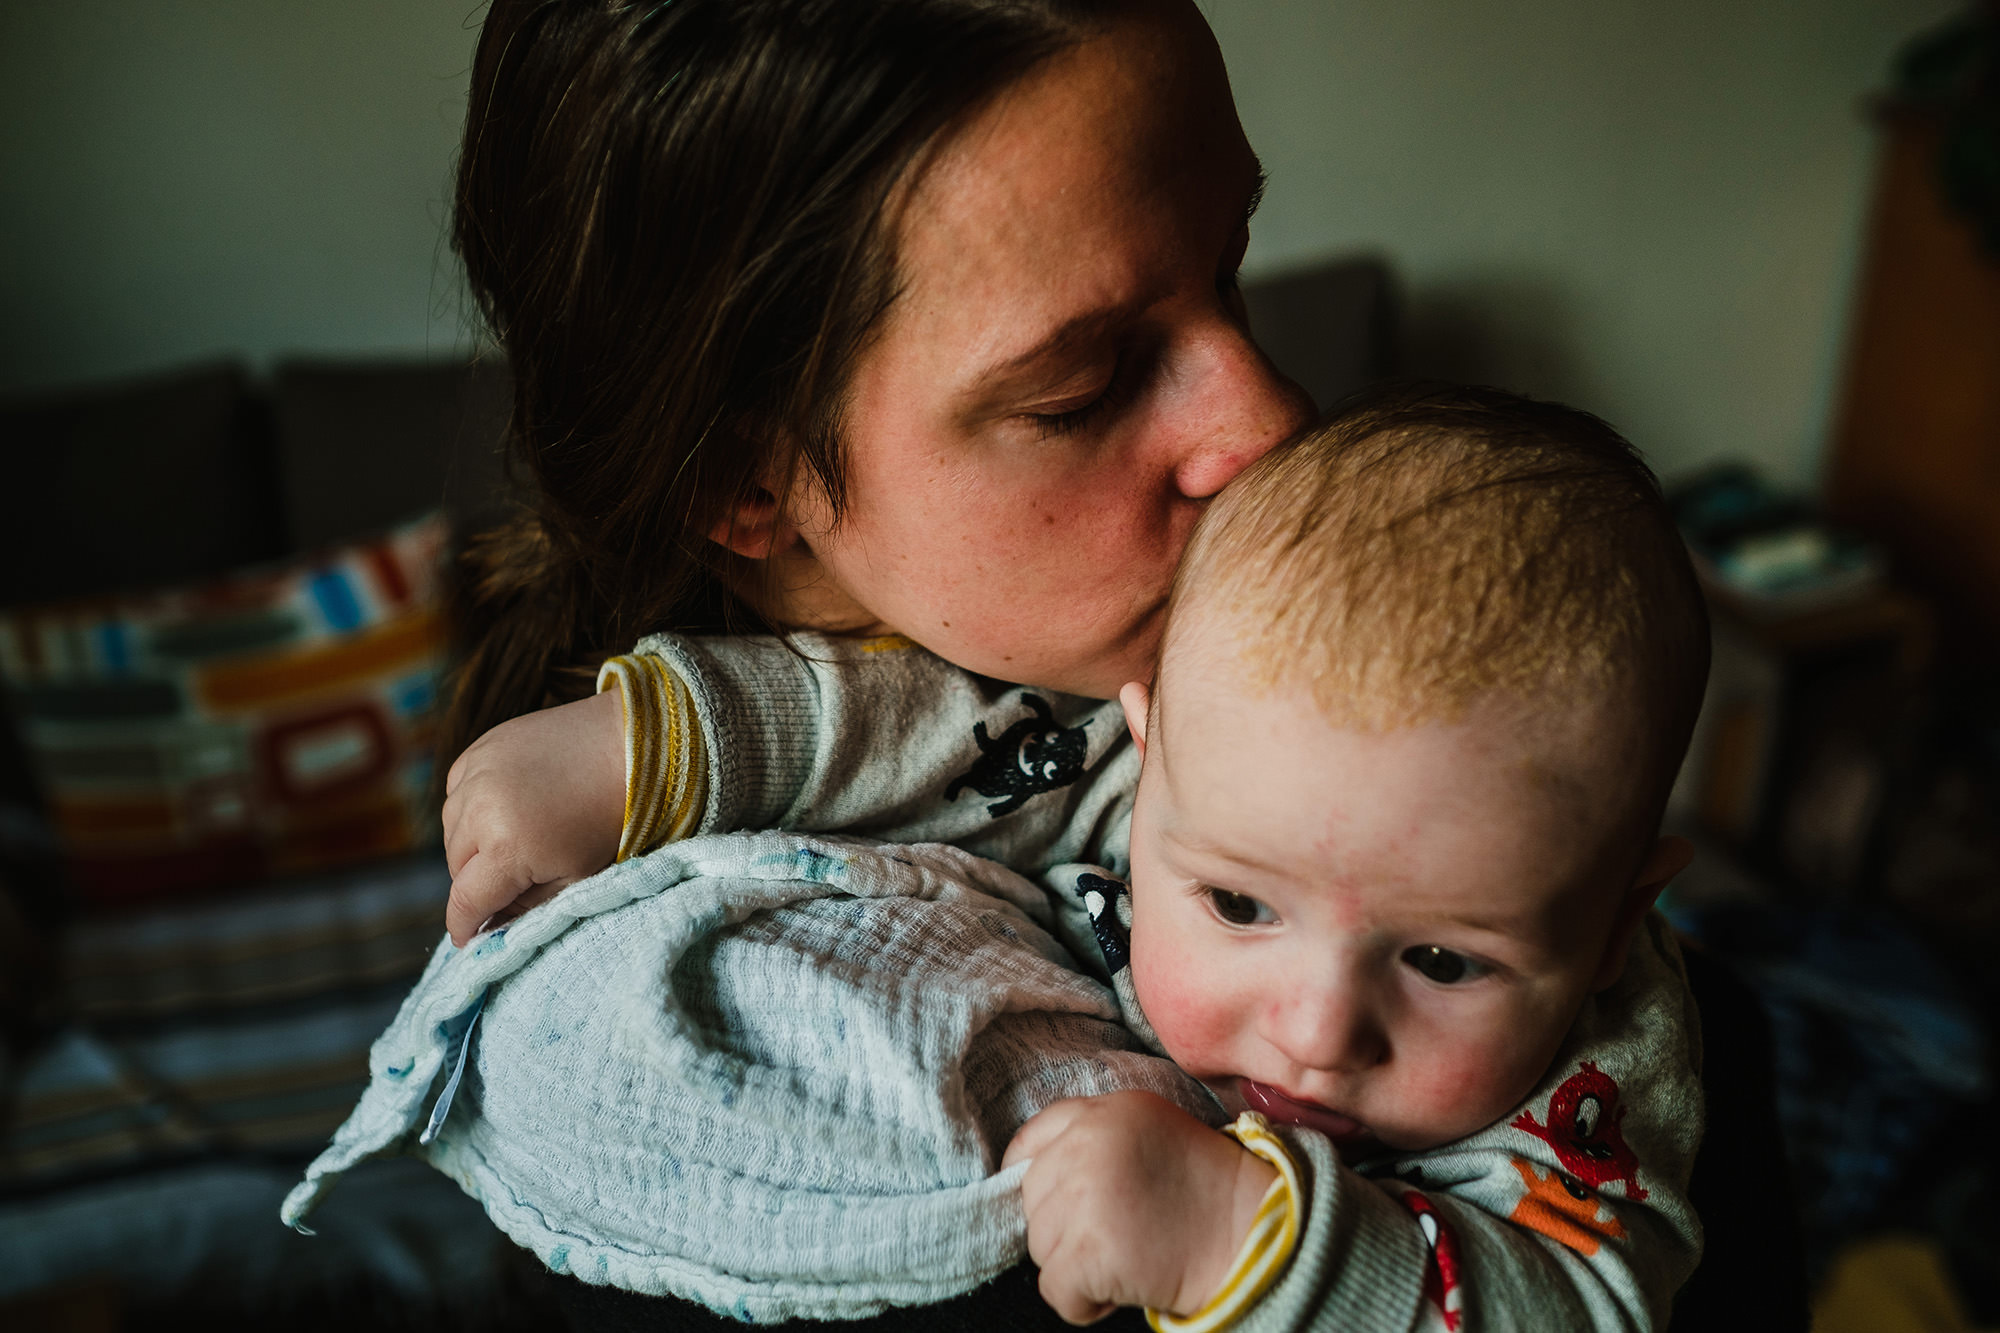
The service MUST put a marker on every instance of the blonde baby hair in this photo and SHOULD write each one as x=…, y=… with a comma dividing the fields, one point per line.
x=1427, y=547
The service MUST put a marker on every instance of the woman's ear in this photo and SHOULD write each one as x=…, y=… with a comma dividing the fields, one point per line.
x=1136, y=700
x=754, y=527
x=1669, y=857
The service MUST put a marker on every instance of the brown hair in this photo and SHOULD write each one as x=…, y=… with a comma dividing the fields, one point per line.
x=1429, y=546
x=675, y=218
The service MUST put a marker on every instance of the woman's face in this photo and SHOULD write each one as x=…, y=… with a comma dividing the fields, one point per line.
x=1065, y=379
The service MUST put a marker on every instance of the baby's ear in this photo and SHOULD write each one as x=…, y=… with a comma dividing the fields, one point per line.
x=1136, y=700
x=1669, y=857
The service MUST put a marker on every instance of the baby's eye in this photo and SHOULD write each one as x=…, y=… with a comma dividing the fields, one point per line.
x=1239, y=909
x=1442, y=965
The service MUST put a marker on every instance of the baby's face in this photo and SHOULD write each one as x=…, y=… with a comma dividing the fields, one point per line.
x=1376, y=935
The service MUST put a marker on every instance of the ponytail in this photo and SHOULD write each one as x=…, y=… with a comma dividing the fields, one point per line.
x=517, y=617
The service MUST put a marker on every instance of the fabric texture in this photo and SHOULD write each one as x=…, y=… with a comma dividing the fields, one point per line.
x=880, y=738
x=208, y=1052
x=770, y=1073
x=666, y=763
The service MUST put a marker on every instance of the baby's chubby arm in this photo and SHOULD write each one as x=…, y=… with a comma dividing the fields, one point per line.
x=1131, y=1201
x=531, y=806
x=827, y=735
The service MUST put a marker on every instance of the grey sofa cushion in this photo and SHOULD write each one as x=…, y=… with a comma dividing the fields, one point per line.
x=363, y=445
x=134, y=485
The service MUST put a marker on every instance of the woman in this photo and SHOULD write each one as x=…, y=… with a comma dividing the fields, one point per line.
x=856, y=315
x=907, y=313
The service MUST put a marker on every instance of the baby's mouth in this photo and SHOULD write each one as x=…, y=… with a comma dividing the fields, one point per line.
x=1281, y=1109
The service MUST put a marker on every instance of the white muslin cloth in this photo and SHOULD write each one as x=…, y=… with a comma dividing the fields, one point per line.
x=768, y=1072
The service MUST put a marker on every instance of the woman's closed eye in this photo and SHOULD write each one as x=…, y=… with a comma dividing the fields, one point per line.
x=1239, y=909
x=1072, y=420
x=1444, y=966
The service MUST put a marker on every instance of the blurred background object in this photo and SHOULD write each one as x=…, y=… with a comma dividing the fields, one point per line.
x=1913, y=452
x=244, y=407
x=218, y=853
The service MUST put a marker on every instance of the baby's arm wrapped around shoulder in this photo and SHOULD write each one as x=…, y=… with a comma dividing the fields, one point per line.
x=553, y=796
x=810, y=733
x=877, y=736
x=530, y=807
x=1570, y=1213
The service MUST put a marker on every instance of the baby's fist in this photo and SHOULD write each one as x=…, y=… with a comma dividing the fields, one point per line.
x=1132, y=1201
x=534, y=804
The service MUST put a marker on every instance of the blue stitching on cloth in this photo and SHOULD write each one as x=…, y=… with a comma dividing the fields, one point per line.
x=459, y=1030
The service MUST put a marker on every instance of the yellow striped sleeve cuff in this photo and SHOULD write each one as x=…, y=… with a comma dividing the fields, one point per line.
x=666, y=758
x=1265, y=1251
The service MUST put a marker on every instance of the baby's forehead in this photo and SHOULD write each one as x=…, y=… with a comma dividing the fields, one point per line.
x=1524, y=900
x=1214, y=657
x=1556, y=769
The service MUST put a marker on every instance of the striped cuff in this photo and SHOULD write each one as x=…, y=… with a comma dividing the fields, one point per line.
x=1268, y=1247
x=666, y=760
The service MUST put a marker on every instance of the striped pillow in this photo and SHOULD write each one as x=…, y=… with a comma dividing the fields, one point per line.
x=271, y=721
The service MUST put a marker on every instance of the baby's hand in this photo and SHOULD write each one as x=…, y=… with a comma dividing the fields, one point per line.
x=534, y=804
x=1131, y=1201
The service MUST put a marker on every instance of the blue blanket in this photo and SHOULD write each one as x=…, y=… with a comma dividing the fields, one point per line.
x=770, y=1073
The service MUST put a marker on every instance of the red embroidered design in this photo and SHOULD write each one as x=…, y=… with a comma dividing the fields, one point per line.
x=1441, y=1274
x=1583, y=1129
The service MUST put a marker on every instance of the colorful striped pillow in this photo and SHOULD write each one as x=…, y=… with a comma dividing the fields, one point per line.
x=268, y=722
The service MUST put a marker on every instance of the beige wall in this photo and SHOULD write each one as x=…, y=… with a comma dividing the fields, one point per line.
x=1653, y=210
x=193, y=178
x=1650, y=209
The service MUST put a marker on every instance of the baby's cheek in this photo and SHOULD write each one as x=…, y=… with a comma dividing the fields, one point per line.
x=1465, y=1086
x=1186, y=1015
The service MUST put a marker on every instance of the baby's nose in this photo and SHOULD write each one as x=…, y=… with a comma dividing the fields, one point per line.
x=1329, y=1028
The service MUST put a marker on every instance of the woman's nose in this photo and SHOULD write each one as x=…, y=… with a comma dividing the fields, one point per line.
x=1329, y=1027
x=1240, y=406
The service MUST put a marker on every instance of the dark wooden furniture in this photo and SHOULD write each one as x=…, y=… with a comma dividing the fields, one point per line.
x=1915, y=458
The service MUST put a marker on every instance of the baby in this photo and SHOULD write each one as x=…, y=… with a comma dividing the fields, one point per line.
x=1428, y=674
x=1427, y=678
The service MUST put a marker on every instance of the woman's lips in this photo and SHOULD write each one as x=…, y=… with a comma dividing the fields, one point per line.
x=1282, y=1109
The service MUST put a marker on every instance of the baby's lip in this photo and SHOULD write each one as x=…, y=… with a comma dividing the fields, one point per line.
x=1284, y=1109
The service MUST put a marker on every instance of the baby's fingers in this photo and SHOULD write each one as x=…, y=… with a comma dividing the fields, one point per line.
x=1073, y=1306
x=1042, y=1129
x=460, y=841
x=481, y=887
x=1070, y=1278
